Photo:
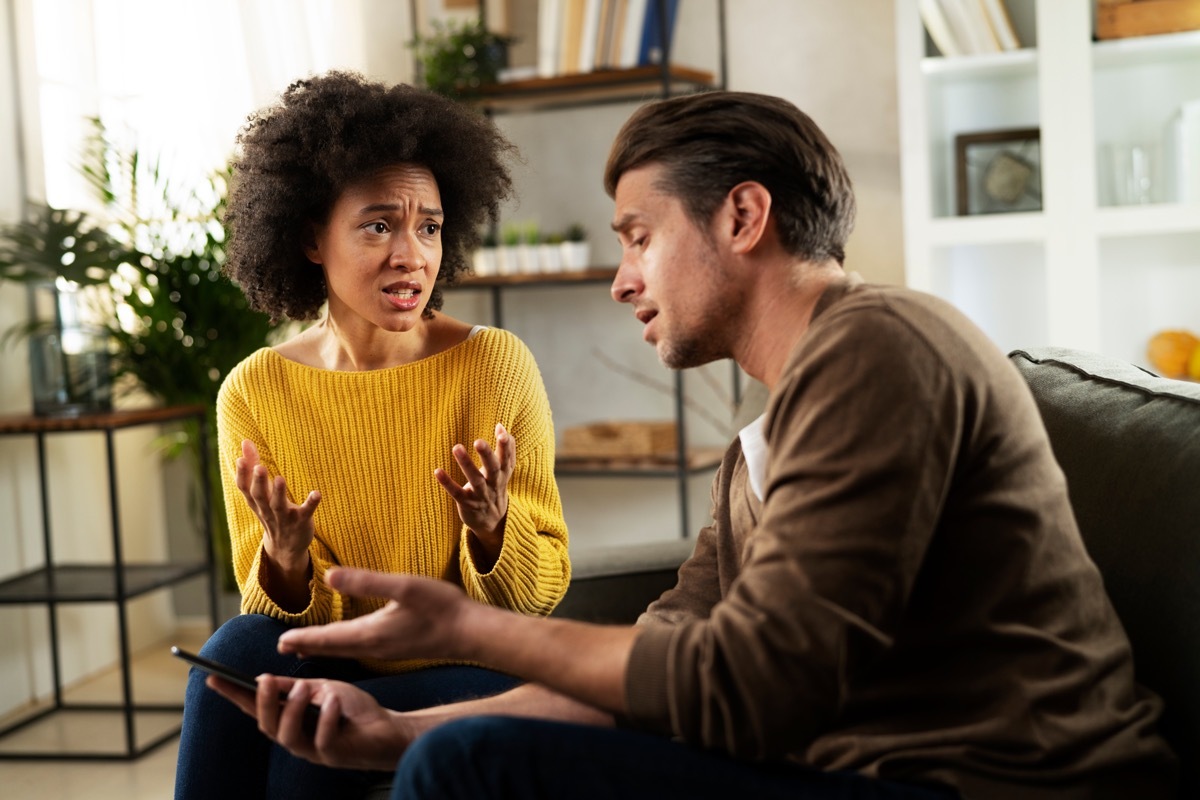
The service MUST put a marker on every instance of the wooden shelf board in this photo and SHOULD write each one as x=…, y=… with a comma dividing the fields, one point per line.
x=591, y=275
x=697, y=459
x=96, y=422
x=639, y=83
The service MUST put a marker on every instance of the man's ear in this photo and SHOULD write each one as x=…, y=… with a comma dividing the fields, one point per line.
x=749, y=206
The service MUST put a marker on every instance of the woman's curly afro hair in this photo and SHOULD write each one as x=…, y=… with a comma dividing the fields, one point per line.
x=327, y=132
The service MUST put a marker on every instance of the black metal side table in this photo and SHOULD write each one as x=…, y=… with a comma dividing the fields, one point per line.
x=55, y=583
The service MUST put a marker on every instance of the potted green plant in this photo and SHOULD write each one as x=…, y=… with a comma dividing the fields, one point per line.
x=550, y=252
x=527, y=257
x=483, y=260
x=576, y=251
x=458, y=59
x=507, y=262
x=173, y=325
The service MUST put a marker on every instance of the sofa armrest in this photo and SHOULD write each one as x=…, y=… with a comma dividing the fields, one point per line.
x=1129, y=443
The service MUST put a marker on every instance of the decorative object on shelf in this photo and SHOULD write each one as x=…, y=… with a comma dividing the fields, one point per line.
x=1175, y=354
x=576, y=250
x=457, y=59
x=64, y=257
x=998, y=171
x=1128, y=173
x=1117, y=19
x=1182, y=154
x=69, y=359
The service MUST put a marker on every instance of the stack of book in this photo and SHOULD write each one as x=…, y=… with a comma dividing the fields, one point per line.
x=576, y=36
x=968, y=27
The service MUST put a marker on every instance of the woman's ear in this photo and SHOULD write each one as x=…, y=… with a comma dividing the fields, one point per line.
x=311, y=251
x=749, y=206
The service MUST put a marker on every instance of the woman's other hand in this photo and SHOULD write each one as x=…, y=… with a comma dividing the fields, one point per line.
x=483, y=500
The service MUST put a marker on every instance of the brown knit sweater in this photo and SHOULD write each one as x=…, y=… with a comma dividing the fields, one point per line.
x=912, y=599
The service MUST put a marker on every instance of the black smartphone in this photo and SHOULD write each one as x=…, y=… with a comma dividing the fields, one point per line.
x=311, y=714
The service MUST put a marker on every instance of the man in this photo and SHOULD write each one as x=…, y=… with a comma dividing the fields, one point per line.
x=892, y=600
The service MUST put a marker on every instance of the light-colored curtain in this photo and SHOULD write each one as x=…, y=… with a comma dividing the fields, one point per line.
x=174, y=78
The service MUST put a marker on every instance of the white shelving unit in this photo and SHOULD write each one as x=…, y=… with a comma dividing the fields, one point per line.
x=1084, y=271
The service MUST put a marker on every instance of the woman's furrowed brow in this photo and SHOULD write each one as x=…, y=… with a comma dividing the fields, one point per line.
x=378, y=208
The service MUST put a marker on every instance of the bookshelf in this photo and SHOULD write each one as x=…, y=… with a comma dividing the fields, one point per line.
x=581, y=90
x=1090, y=269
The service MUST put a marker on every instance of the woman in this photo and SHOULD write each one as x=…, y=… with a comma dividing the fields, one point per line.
x=347, y=443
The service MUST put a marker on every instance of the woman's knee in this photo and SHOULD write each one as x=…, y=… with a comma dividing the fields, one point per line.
x=246, y=642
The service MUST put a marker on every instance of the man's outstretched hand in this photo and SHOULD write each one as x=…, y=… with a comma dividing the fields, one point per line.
x=423, y=618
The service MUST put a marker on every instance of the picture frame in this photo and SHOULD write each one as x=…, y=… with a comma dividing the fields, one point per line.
x=998, y=171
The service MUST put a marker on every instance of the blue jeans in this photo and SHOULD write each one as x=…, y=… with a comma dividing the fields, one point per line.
x=503, y=757
x=223, y=755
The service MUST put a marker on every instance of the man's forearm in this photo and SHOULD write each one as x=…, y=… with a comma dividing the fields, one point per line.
x=528, y=700
x=583, y=661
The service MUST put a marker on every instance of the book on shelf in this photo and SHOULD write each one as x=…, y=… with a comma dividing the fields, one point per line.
x=588, y=35
x=656, y=32
x=1001, y=22
x=549, y=37
x=631, y=33
x=968, y=27
x=614, y=26
x=965, y=24
x=938, y=27
x=571, y=35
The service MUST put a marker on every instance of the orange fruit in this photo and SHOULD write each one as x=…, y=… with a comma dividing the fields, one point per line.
x=1172, y=352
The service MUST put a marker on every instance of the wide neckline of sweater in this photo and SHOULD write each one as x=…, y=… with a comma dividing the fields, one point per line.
x=454, y=350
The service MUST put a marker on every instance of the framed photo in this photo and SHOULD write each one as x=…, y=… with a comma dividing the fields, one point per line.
x=998, y=171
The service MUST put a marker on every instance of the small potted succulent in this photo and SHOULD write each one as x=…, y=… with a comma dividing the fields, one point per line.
x=549, y=251
x=507, y=261
x=576, y=250
x=484, y=259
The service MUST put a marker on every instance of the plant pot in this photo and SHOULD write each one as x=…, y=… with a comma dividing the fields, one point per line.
x=483, y=261
x=506, y=260
x=576, y=256
x=527, y=260
x=549, y=258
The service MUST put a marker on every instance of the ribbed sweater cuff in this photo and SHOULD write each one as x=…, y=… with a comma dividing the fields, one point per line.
x=255, y=599
x=647, y=680
x=513, y=580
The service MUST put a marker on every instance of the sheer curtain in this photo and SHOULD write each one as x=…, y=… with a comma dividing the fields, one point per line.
x=175, y=79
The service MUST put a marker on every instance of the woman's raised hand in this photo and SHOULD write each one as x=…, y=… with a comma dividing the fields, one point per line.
x=483, y=500
x=287, y=528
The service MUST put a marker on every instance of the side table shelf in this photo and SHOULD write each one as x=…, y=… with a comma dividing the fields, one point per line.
x=117, y=582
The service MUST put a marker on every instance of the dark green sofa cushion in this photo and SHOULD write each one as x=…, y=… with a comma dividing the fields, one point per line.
x=1129, y=443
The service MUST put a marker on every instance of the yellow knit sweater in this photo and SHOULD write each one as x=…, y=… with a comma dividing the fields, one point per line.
x=370, y=441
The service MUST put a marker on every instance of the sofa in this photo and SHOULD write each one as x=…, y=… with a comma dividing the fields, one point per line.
x=1129, y=444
